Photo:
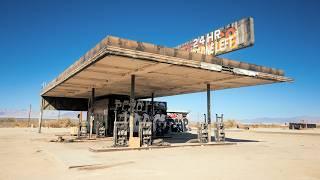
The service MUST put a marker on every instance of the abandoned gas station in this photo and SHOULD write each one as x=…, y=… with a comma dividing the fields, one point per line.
x=113, y=80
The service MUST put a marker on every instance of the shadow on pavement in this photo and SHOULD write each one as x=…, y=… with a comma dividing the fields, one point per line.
x=239, y=140
x=192, y=138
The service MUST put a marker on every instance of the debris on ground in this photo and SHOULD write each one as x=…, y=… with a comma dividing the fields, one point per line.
x=61, y=139
x=160, y=142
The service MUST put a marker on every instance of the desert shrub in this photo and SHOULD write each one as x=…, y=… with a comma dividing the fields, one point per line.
x=261, y=125
x=227, y=124
x=11, y=120
x=62, y=123
x=230, y=123
x=7, y=122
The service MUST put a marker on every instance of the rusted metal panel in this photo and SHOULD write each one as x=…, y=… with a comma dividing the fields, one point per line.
x=62, y=103
x=234, y=36
x=244, y=72
x=209, y=66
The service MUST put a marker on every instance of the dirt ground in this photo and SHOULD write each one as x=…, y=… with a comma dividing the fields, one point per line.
x=258, y=154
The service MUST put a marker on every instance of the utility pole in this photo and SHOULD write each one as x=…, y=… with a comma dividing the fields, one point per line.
x=41, y=115
x=29, y=119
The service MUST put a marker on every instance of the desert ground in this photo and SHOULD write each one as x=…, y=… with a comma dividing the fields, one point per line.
x=257, y=154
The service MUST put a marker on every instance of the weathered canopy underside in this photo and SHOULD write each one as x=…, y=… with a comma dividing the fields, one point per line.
x=159, y=70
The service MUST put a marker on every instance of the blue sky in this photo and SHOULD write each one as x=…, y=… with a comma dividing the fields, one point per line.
x=39, y=39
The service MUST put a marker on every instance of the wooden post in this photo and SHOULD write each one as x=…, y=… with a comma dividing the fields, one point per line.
x=41, y=115
x=209, y=112
x=29, y=119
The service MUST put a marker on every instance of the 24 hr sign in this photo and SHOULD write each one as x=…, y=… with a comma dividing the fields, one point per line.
x=231, y=37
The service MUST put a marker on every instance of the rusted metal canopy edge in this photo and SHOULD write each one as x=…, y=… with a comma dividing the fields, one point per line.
x=145, y=51
x=195, y=64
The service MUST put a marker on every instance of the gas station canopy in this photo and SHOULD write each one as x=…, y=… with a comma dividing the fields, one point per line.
x=160, y=70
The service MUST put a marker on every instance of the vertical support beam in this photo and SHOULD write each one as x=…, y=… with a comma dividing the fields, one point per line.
x=88, y=116
x=132, y=103
x=91, y=117
x=106, y=119
x=152, y=105
x=208, y=104
x=133, y=141
x=41, y=114
x=152, y=114
x=92, y=98
x=209, y=112
x=79, y=125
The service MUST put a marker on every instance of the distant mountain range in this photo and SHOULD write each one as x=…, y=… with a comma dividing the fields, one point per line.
x=308, y=119
x=23, y=113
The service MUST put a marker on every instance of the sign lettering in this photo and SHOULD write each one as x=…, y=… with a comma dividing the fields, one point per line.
x=234, y=36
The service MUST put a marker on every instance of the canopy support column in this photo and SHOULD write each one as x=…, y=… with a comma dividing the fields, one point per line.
x=132, y=103
x=91, y=117
x=209, y=111
x=152, y=114
x=133, y=142
x=152, y=104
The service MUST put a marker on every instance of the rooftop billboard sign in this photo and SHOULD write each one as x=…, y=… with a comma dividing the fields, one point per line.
x=234, y=36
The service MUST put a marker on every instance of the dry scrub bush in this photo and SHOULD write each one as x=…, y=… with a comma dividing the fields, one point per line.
x=265, y=125
x=62, y=123
x=230, y=124
x=13, y=122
